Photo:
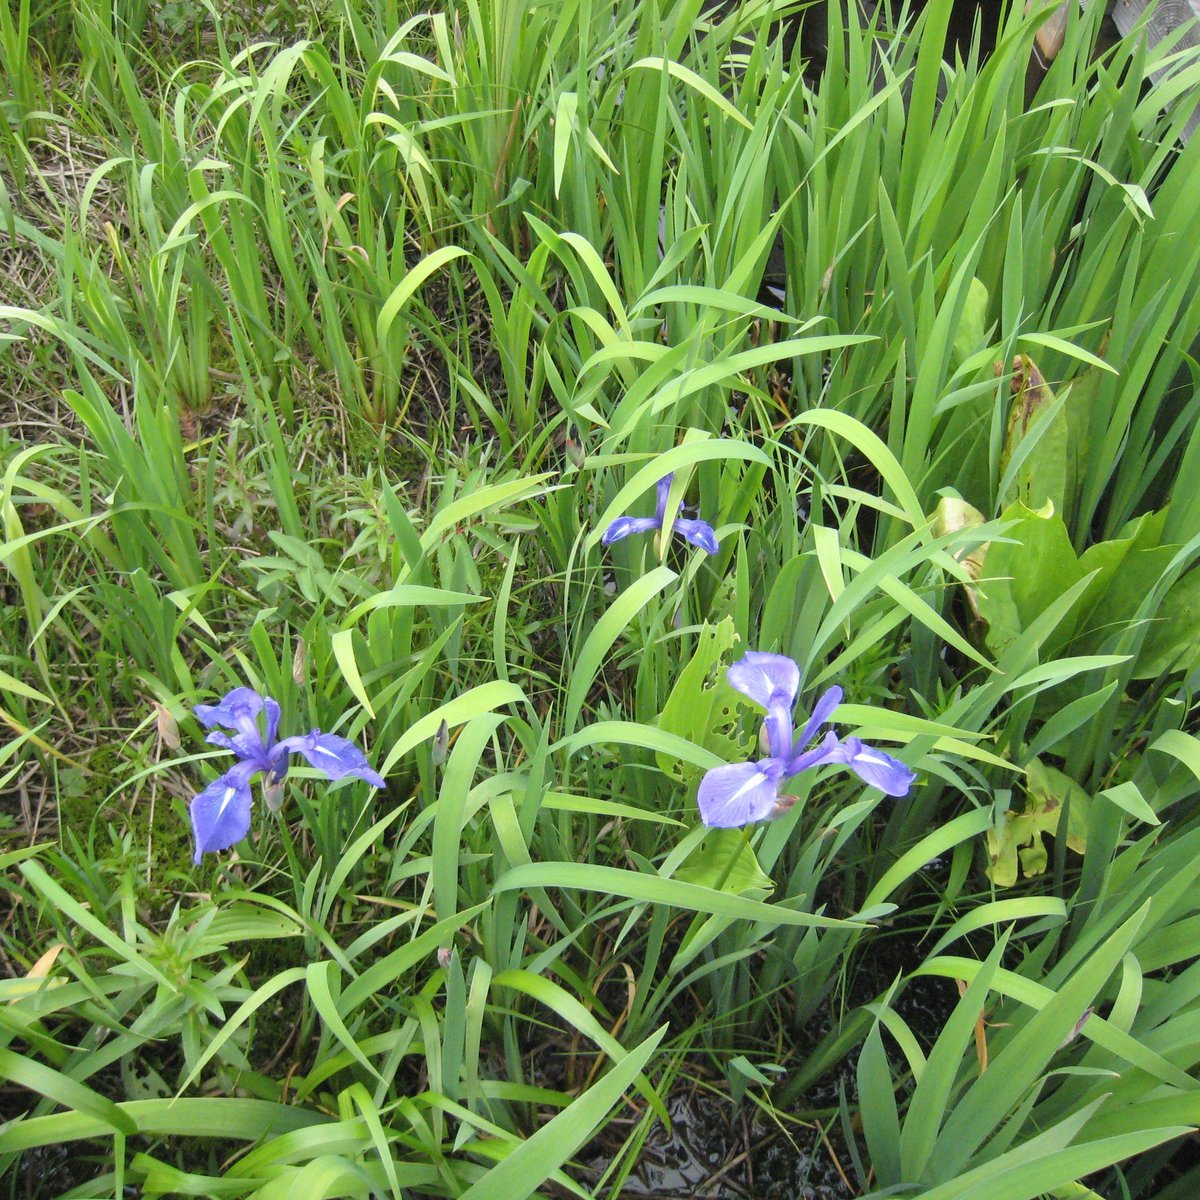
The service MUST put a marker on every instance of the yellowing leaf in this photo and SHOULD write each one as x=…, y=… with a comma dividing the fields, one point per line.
x=41, y=968
x=953, y=515
x=1048, y=793
x=1035, y=444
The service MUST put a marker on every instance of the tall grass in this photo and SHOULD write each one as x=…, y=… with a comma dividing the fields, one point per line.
x=359, y=337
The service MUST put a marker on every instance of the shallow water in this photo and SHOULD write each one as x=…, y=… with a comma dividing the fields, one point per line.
x=714, y=1152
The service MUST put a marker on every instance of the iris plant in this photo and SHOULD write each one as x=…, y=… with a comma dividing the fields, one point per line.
x=699, y=533
x=743, y=792
x=221, y=813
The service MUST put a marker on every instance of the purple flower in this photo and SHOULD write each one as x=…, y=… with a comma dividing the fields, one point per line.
x=743, y=792
x=699, y=533
x=221, y=813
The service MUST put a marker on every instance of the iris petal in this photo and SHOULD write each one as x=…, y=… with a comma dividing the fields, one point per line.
x=699, y=533
x=826, y=750
x=272, y=707
x=874, y=767
x=334, y=756
x=232, y=710
x=736, y=795
x=247, y=746
x=622, y=527
x=822, y=711
x=221, y=813
x=767, y=679
x=662, y=489
x=778, y=728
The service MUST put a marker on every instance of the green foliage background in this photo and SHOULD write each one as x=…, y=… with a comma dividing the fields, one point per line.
x=332, y=340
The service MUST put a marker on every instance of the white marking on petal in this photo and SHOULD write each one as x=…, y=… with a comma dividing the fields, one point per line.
x=754, y=781
x=230, y=792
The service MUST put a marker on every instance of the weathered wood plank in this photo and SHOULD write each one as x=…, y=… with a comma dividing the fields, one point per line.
x=1166, y=20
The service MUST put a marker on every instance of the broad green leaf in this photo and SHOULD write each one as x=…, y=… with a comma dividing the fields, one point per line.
x=457, y=779
x=1128, y=796
x=1052, y=342
x=10, y=858
x=563, y=802
x=1181, y=746
x=972, y=329
x=232, y=1118
x=162, y=1179
x=1024, y=573
x=743, y=1066
x=326, y=1177
x=342, y=644
x=564, y=127
x=876, y=453
x=880, y=1116
x=1023, y=1174
x=960, y=829
x=304, y=1144
x=702, y=707
x=707, y=297
x=46, y=1081
x=497, y=495
x=629, y=733
x=1124, y=569
x=725, y=860
x=1000, y=912
x=1173, y=639
x=409, y=595
x=10, y=683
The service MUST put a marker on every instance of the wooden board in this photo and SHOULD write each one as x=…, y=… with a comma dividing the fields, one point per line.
x=1165, y=21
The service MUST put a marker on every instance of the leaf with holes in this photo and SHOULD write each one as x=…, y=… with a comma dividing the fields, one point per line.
x=702, y=707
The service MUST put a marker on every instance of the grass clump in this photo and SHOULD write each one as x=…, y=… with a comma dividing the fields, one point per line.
x=335, y=339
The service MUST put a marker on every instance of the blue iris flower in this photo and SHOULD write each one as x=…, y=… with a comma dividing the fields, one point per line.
x=699, y=533
x=743, y=792
x=221, y=813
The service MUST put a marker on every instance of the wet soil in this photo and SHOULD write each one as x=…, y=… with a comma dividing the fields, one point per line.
x=714, y=1152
